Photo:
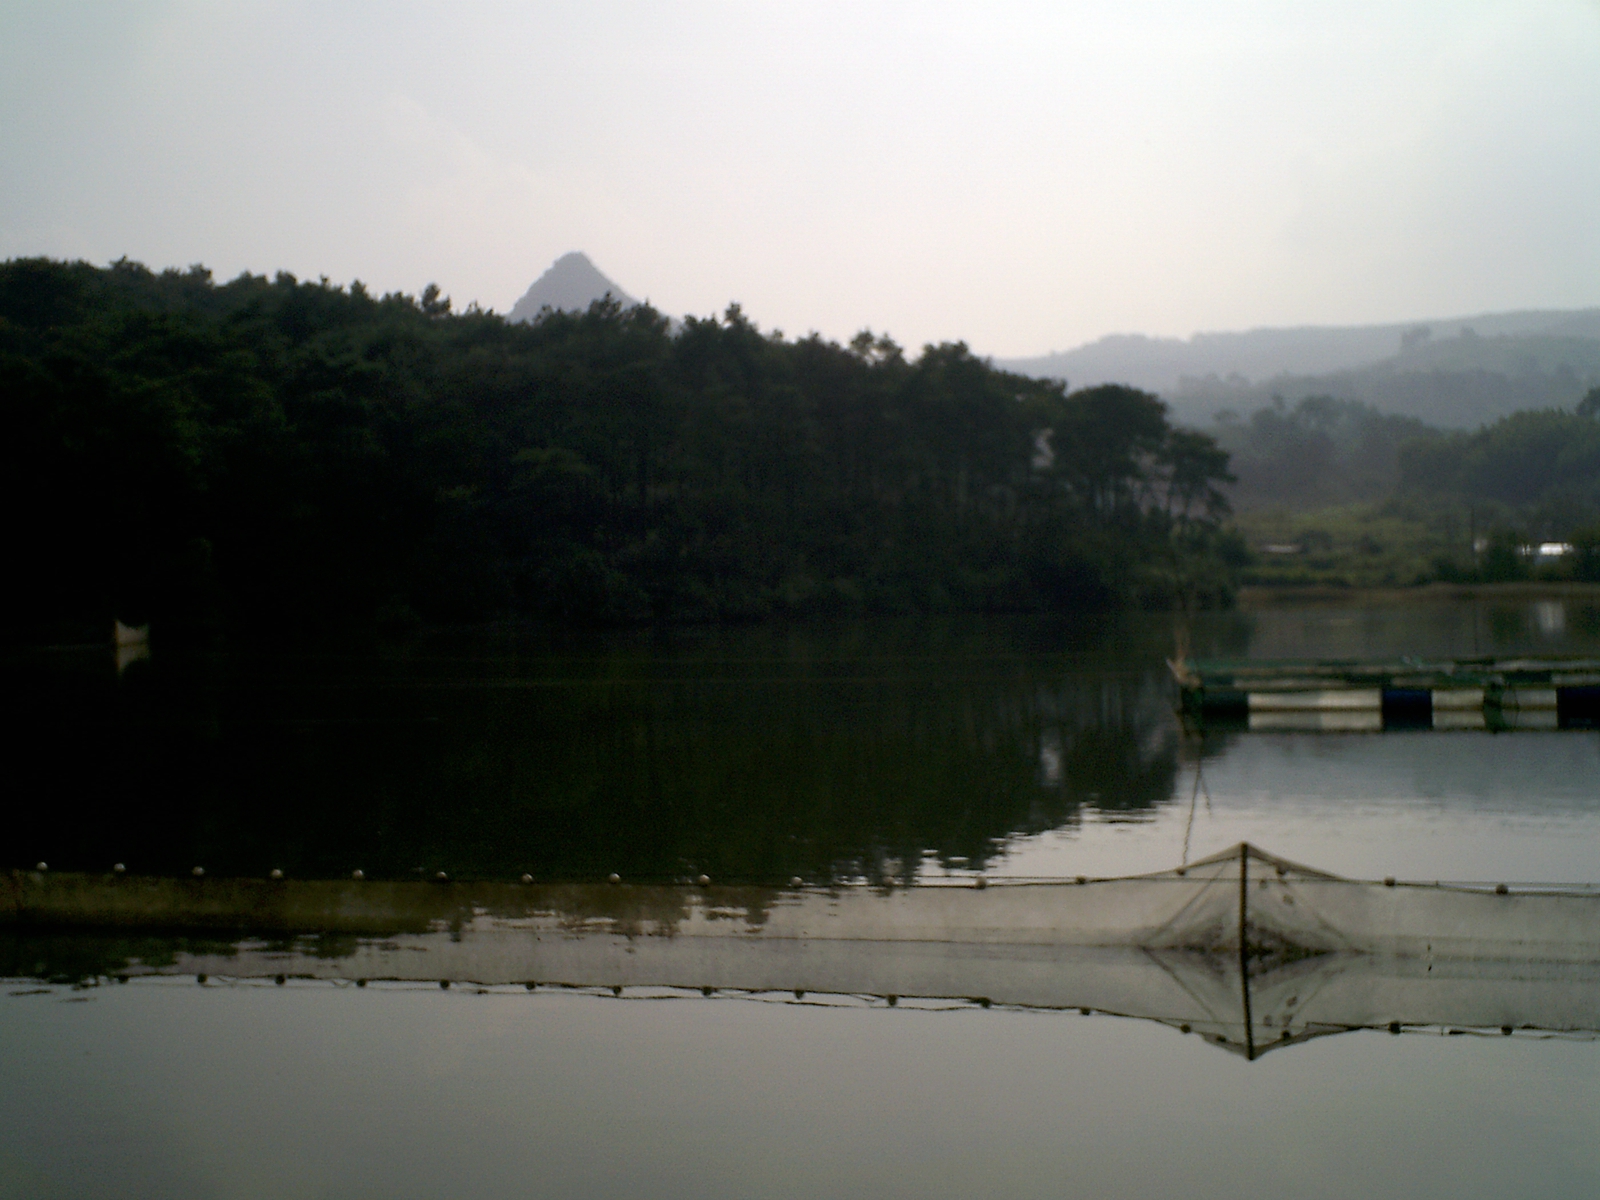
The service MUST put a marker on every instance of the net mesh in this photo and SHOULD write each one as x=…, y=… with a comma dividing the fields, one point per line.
x=1245, y=949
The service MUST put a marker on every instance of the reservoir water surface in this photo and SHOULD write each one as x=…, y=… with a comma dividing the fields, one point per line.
x=872, y=754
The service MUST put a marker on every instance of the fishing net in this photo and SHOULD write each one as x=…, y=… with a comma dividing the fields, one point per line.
x=1244, y=949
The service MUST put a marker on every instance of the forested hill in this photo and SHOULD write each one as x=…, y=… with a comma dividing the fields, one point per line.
x=271, y=455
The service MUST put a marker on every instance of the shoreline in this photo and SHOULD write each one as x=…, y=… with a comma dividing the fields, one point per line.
x=1257, y=596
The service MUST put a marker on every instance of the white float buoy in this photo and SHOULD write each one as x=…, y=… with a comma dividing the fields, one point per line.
x=198, y=872
x=704, y=881
x=613, y=878
x=358, y=874
x=275, y=873
x=118, y=868
x=796, y=881
x=40, y=866
x=526, y=878
x=441, y=877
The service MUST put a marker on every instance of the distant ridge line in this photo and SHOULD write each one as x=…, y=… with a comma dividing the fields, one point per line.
x=1264, y=352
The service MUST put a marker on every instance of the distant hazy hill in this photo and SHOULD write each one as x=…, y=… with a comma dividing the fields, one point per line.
x=571, y=283
x=1457, y=383
x=1257, y=354
x=1453, y=373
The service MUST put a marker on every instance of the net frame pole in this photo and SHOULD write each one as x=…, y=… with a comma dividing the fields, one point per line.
x=1244, y=950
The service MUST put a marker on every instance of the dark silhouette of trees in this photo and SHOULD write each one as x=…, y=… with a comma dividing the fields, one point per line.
x=294, y=455
x=1589, y=406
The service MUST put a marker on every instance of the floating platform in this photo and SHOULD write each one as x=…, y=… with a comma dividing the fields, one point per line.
x=1344, y=696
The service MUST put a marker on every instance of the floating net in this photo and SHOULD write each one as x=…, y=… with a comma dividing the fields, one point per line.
x=1245, y=949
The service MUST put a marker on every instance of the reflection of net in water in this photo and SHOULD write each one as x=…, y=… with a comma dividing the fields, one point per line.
x=1244, y=949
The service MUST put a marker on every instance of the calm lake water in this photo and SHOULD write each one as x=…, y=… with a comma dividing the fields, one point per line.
x=894, y=750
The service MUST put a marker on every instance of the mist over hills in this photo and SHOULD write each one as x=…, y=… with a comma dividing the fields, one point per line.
x=1455, y=373
x=1452, y=373
x=1160, y=364
x=570, y=285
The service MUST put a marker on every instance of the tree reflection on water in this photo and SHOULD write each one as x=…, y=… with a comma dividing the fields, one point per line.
x=872, y=749
x=862, y=750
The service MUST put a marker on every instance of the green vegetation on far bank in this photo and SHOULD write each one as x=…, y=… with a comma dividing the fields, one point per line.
x=1333, y=493
x=270, y=456
x=1354, y=545
x=1406, y=542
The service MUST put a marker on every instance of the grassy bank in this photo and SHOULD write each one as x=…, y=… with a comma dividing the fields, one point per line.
x=1401, y=544
x=1258, y=596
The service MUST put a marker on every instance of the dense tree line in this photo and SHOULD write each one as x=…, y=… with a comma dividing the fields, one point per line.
x=1320, y=451
x=1335, y=492
x=1530, y=477
x=283, y=455
x=1547, y=459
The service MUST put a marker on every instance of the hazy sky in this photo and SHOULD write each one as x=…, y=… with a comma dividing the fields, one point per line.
x=1021, y=176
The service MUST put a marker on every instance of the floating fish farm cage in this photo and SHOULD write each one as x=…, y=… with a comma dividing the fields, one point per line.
x=1370, y=697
